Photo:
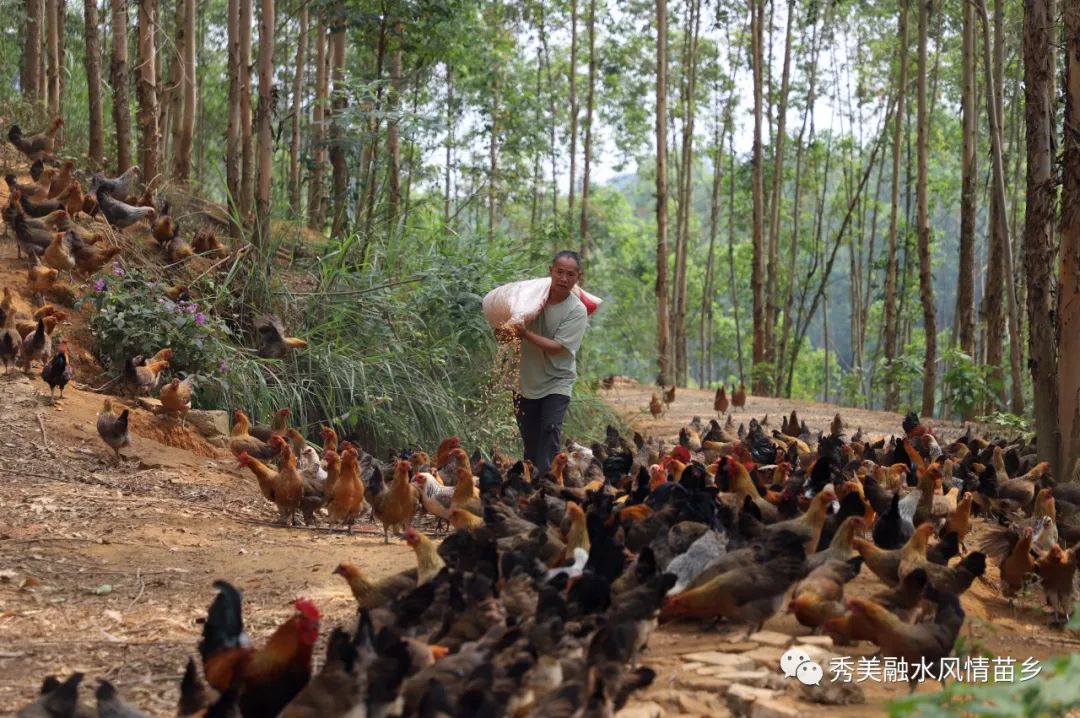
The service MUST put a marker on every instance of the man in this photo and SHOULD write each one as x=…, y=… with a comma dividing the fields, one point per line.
x=548, y=362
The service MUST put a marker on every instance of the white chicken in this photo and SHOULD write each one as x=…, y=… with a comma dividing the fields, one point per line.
x=434, y=496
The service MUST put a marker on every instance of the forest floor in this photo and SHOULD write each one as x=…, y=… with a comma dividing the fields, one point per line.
x=107, y=569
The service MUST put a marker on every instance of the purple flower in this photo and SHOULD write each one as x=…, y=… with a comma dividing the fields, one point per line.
x=118, y=270
x=222, y=365
x=200, y=319
x=99, y=285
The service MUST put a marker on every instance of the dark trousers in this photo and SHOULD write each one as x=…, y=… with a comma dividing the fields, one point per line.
x=540, y=423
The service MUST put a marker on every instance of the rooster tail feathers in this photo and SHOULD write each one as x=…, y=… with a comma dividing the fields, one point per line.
x=224, y=627
x=105, y=691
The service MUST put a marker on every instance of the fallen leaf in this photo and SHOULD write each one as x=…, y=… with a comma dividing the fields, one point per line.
x=103, y=589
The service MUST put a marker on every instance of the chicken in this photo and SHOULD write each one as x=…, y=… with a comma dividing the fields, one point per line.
x=142, y=376
x=176, y=397
x=39, y=146
x=956, y=579
x=240, y=441
x=750, y=595
x=61, y=181
x=120, y=214
x=921, y=643
x=1017, y=565
x=72, y=198
x=738, y=397
x=890, y=530
x=464, y=496
x=885, y=564
x=395, y=507
x=720, y=402
x=90, y=259
x=28, y=326
x=273, y=343
x=110, y=705
x=428, y=560
x=347, y=498
x=177, y=292
x=278, y=425
x=118, y=187
x=58, y=254
x=10, y=341
x=959, y=519
x=42, y=279
x=374, y=594
x=177, y=250
x=207, y=243
x=195, y=695
x=809, y=524
x=743, y=486
x=264, y=475
x=286, y=486
x=30, y=189
x=656, y=407
x=36, y=346
x=58, y=371
x=461, y=519
x=669, y=395
x=113, y=429
x=434, y=497
x=841, y=546
x=57, y=700
x=817, y=598
x=338, y=687
x=266, y=678
x=163, y=229
x=1057, y=573
x=578, y=534
x=443, y=450
x=913, y=554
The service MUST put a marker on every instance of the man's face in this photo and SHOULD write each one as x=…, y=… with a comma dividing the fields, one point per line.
x=564, y=274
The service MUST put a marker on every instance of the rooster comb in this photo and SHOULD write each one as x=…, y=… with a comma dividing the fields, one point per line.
x=307, y=608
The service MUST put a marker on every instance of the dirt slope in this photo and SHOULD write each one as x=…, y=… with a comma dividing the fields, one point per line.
x=992, y=626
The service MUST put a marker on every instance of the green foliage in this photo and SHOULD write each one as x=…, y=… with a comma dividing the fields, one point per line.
x=965, y=384
x=1003, y=420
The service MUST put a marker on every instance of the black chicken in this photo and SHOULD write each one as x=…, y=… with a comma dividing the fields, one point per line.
x=58, y=371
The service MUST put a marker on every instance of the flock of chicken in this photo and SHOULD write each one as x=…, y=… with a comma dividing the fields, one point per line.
x=549, y=587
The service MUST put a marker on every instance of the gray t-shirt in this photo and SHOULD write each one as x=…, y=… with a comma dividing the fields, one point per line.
x=543, y=373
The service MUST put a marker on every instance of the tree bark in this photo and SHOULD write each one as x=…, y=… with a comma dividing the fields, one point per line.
x=662, y=330
x=266, y=114
x=337, y=151
x=43, y=53
x=448, y=169
x=232, y=142
x=54, y=14
x=32, y=51
x=1055, y=370
x=891, y=389
x=760, y=385
x=182, y=141
x=247, y=149
x=92, y=60
x=393, y=133
x=772, y=273
x=119, y=74
x=965, y=284
x=316, y=194
x=922, y=218
x=589, y=103
x=685, y=188
x=146, y=93
x=297, y=109
x=574, y=111
x=553, y=116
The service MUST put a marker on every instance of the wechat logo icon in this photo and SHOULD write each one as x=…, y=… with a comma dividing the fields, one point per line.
x=796, y=663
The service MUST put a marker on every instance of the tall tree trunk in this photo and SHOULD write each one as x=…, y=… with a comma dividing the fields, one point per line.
x=757, y=272
x=662, y=329
x=298, y=106
x=922, y=219
x=965, y=284
x=92, y=59
x=146, y=93
x=449, y=164
x=493, y=159
x=891, y=389
x=708, y=291
x=247, y=150
x=772, y=273
x=54, y=10
x=31, y=61
x=553, y=116
x=573, y=111
x=232, y=141
x=340, y=180
x=393, y=133
x=731, y=250
x=43, y=54
x=184, y=122
x=266, y=114
x=119, y=78
x=589, y=102
x=1001, y=223
x=1055, y=370
x=316, y=195
x=685, y=187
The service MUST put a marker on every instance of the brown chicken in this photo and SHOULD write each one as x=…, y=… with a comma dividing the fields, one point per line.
x=810, y=524
x=959, y=519
x=1057, y=573
x=462, y=519
x=177, y=250
x=58, y=254
x=1017, y=565
x=656, y=407
x=113, y=429
x=264, y=474
x=347, y=497
x=743, y=486
x=62, y=179
x=841, y=546
x=669, y=395
x=90, y=259
x=374, y=594
x=915, y=643
x=277, y=426
x=241, y=441
x=465, y=487
x=36, y=346
x=163, y=229
x=39, y=146
x=720, y=401
x=886, y=564
x=738, y=397
x=72, y=198
x=273, y=342
x=817, y=598
x=913, y=553
x=10, y=341
x=329, y=437
x=176, y=397
x=42, y=279
x=287, y=488
x=395, y=507
x=267, y=678
x=28, y=326
x=207, y=243
x=30, y=189
x=442, y=452
x=428, y=560
x=142, y=376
